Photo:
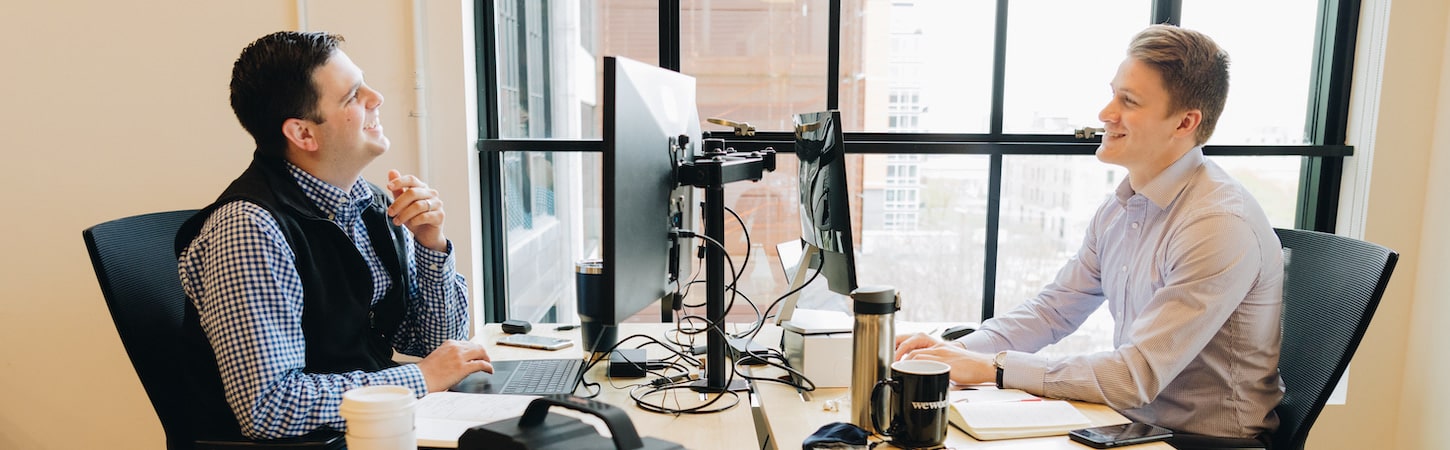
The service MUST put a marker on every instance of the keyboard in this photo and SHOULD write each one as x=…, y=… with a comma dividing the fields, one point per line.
x=542, y=376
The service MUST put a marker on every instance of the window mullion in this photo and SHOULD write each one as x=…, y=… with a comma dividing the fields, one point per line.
x=547, y=63
x=494, y=252
x=833, y=57
x=999, y=68
x=670, y=34
x=1327, y=123
x=521, y=36
x=994, y=172
x=1167, y=11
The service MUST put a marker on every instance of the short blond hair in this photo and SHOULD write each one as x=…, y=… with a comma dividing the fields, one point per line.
x=1194, y=70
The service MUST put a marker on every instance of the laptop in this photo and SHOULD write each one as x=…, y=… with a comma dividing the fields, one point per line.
x=525, y=377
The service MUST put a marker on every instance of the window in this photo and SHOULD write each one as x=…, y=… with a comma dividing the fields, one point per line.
x=898, y=221
x=1061, y=54
x=901, y=199
x=968, y=185
x=1271, y=58
x=904, y=109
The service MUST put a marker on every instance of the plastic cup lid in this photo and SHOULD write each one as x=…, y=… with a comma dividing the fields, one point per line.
x=377, y=398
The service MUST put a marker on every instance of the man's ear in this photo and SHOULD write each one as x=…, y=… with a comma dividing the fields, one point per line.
x=300, y=134
x=1188, y=123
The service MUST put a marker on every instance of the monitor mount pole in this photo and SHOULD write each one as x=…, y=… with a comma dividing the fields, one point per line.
x=711, y=171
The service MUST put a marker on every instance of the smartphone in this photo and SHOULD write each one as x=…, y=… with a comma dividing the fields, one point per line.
x=531, y=341
x=1120, y=435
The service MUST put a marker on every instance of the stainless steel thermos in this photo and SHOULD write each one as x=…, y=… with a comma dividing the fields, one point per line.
x=873, y=345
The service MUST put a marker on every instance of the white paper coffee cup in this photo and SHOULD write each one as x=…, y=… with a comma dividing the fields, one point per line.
x=379, y=418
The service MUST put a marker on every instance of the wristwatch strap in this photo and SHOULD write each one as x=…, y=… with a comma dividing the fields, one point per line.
x=999, y=361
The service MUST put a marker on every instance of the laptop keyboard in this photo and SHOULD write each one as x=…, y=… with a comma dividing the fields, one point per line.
x=545, y=376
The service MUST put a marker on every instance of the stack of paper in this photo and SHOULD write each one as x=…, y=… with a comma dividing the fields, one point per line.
x=989, y=414
x=441, y=417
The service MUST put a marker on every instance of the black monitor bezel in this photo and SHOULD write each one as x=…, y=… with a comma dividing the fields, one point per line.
x=826, y=217
x=642, y=201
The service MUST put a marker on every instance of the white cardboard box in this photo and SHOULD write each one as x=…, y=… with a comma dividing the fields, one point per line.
x=818, y=343
x=824, y=358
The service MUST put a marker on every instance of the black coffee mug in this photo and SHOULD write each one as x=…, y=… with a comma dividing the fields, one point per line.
x=917, y=405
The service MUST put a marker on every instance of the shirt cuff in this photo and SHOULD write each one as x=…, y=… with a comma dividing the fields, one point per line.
x=985, y=340
x=1025, y=371
x=433, y=265
x=978, y=342
x=406, y=375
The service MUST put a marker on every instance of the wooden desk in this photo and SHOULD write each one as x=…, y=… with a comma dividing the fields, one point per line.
x=784, y=414
x=790, y=419
x=731, y=429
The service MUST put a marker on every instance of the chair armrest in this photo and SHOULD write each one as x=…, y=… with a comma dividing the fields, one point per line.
x=1185, y=441
x=321, y=439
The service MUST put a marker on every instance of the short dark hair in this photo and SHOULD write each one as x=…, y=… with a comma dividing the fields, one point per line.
x=272, y=82
x=1193, y=67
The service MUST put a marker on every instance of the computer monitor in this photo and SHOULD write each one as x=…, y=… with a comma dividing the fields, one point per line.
x=647, y=110
x=825, y=208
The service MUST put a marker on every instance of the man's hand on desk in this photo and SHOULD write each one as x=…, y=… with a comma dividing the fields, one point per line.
x=450, y=362
x=968, y=367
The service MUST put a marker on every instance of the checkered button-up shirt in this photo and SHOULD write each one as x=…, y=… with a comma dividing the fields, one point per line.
x=240, y=274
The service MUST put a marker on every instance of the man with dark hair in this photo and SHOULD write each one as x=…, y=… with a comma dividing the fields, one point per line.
x=303, y=278
x=1186, y=259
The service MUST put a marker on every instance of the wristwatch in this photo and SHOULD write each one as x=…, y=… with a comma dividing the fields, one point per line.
x=998, y=361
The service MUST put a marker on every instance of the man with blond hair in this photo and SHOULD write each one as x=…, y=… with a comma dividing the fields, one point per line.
x=1184, y=256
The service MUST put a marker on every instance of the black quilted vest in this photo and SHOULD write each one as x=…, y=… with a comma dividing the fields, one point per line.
x=343, y=331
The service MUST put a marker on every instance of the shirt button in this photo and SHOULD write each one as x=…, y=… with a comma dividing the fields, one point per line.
x=1125, y=268
x=331, y=217
x=432, y=267
x=1135, y=225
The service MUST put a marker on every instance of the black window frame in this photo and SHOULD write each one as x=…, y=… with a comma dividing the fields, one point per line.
x=1319, y=184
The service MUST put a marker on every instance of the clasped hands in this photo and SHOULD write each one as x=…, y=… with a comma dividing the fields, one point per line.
x=968, y=367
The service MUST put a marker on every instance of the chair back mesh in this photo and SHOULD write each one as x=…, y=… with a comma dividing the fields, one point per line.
x=135, y=264
x=1332, y=285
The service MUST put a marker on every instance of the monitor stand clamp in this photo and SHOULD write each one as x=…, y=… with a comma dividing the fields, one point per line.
x=719, y=166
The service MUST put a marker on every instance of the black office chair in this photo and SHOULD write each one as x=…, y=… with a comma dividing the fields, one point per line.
x=136, y=266
x=1332, y=285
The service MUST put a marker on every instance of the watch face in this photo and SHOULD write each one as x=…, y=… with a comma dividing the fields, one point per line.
x=1000, y=359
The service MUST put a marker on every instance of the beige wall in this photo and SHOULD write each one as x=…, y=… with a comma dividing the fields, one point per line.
x=119, y=108
x=1423, y=411
x=1402, y=48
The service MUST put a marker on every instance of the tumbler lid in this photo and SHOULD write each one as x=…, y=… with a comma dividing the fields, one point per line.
x=589, y=266
x=875, y=299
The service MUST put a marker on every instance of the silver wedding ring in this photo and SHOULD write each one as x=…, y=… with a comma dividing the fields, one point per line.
x=430, y=205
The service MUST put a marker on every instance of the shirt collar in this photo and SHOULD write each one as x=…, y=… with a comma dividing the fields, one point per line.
x=335, y=203
x=1164, y=188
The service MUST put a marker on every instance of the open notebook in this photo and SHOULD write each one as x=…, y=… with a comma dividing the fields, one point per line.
x=989, y=414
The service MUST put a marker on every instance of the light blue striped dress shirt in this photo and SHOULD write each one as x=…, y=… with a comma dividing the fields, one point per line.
x=1193, y=275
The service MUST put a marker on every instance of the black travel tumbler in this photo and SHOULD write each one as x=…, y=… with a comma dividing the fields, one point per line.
x=595, y=316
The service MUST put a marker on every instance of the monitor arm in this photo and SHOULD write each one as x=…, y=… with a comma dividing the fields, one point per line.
x=717, y=167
